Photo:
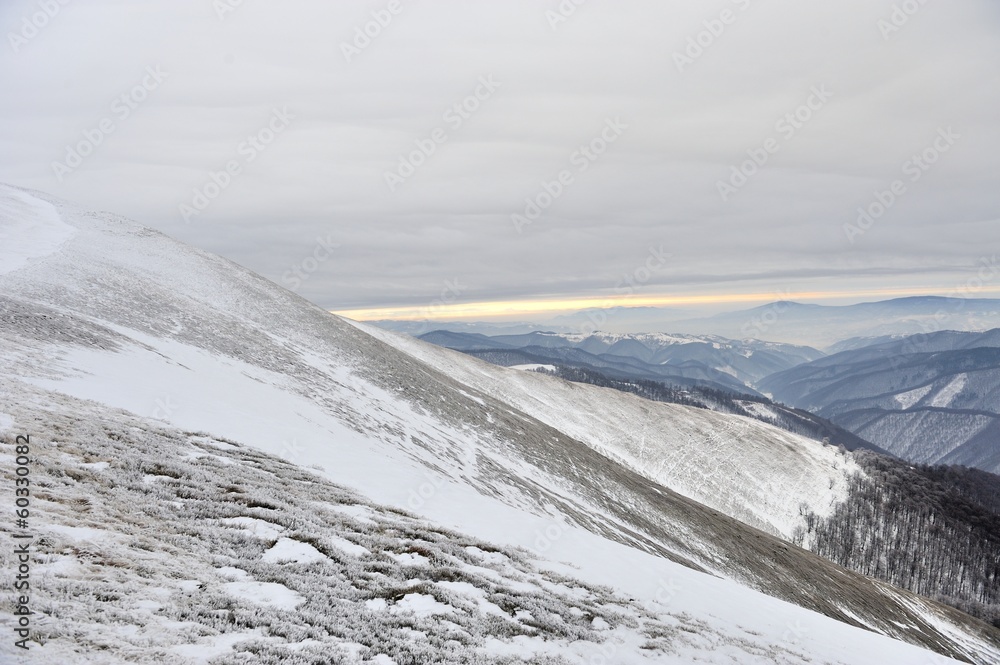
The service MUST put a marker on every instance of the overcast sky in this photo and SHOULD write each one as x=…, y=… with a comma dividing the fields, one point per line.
x=155, y=96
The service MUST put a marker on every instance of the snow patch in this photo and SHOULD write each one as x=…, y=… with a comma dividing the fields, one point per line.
x=265, y=593
x=911, y=397
x=287, y=550
x=254, y=526
x=80, y=534
x=421, y=605
x=947, y=395
x=347, y=546
x=213, y=647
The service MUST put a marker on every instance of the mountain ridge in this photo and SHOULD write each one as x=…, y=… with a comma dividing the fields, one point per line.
x=122, y=318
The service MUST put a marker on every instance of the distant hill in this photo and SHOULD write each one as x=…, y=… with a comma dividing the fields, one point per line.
x=927, y=398
x=686, y=360
x=822, y=326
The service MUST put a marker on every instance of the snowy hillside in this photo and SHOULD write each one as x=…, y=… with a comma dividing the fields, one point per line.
x=166, y=546
x=752, y=471
x=132, y=360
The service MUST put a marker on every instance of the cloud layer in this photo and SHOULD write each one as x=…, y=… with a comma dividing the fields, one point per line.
x=746, y=137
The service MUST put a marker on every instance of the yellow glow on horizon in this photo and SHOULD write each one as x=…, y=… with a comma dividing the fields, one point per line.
x=504, y=308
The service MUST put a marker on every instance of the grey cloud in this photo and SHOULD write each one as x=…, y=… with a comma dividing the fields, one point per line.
x=657, y=184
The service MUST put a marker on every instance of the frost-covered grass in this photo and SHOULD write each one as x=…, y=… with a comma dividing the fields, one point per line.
x=155, y=545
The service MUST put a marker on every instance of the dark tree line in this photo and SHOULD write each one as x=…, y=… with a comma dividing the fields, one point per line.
x=651, y=390
x=924, y=529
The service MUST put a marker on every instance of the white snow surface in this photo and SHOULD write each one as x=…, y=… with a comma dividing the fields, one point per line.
x=947, y=394
x=911, y=397
x=287, y=550
x=184, y=340
x=30, y=228
x=755, y=472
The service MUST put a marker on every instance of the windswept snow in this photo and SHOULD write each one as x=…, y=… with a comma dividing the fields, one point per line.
x=30, y=228
x=758, y=473
x=125, y=347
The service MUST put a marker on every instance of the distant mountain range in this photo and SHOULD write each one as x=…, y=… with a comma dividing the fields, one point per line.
x=928, y=398
x=822, y=326
x=708, y=372
x=819, y=326
x=683, y=360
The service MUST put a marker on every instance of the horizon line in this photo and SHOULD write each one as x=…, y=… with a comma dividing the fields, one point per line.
x=439, y=310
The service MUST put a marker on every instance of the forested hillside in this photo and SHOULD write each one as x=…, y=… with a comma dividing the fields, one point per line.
x=932, y=530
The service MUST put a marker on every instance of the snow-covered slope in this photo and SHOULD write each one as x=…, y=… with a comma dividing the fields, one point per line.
x=31, y=228
x=185, y=342
x=162, y=546
x=755, y=472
